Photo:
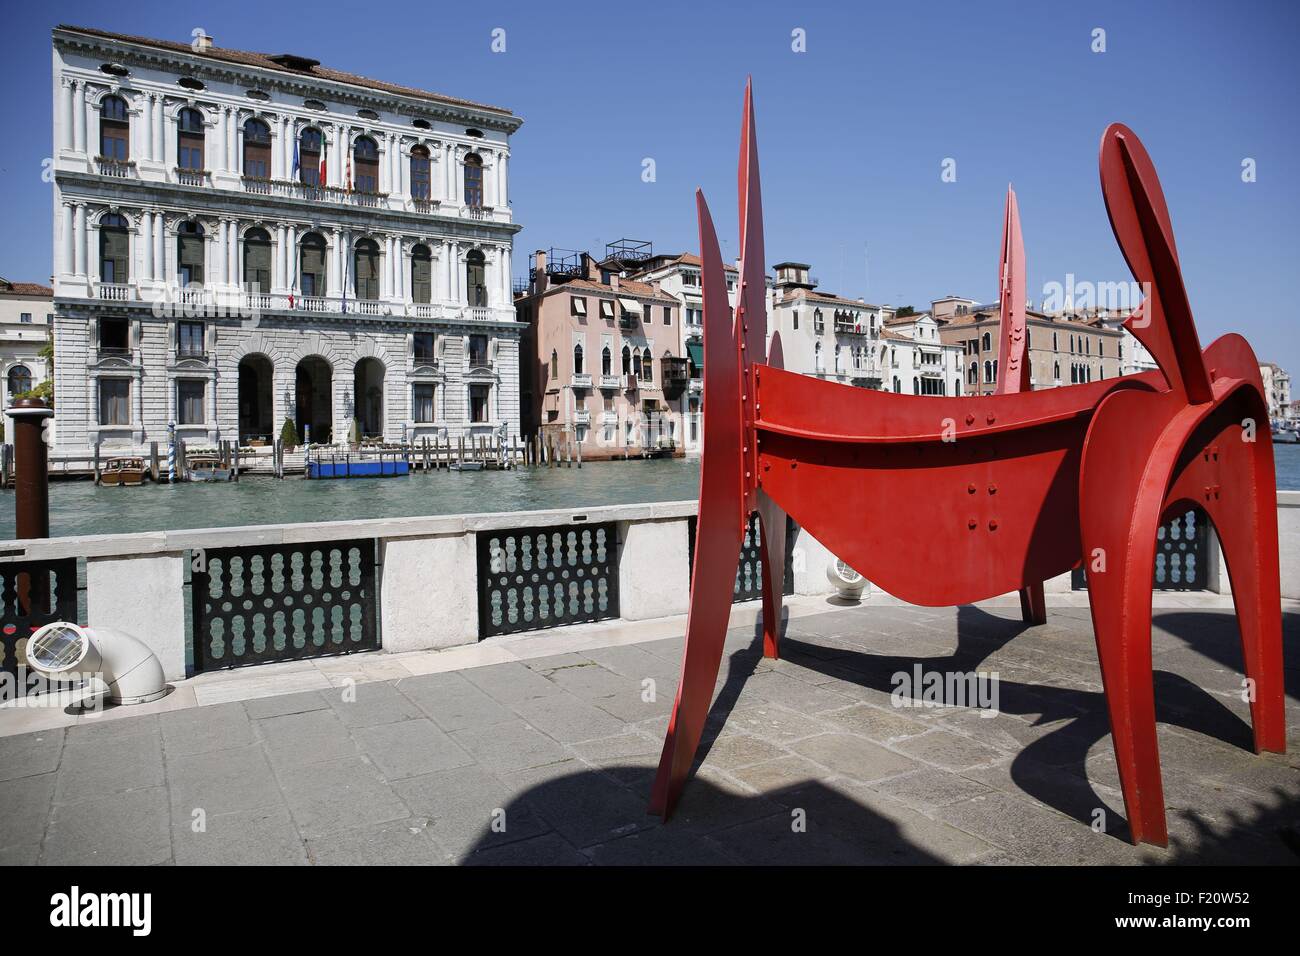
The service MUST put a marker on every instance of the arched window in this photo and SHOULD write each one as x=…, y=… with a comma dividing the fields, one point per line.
x=311, y=264
x=555, y=364
x=627, y=360
x=988, y=371
x=114, y=129
x=1074, y=375
x=898, y=386
x=189, y=254
x=474, y=180
x=1054, y=346
x=995, y=370
x=1056, y=371
x=309, y=156
x=421, y=274
x=988, y=341
x=20, y=380
x=606, y=361
x=817, y=357
x=257, y=260
x=648, y=367
x=257, y=149
x=973, y=374
x=1101, y=347
x=577, y=360
x=114, y=249
x=916, y=386
x=475, y=278
x=636, y=363
x=420, y=178
x=837, y=357
x=366, y=271
x=189, y=139
x=365, y=162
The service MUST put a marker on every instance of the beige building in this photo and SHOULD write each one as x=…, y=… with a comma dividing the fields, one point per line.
x=603, y=361
x=26, y=316
x=1277, y=388
x=1062, y=351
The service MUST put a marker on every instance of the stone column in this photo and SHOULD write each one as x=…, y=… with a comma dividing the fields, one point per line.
x=159, y=139
x=233, y=254
x=69, y=264
x=67, y=138
x=143, y=126
x=79, y=116
x=453, y=276
x=291, y=259
x=145, y=240
x=399, y=270
x=80, y=229
x=158, y=257
x=233, y=137
x=489, y=177
x=277, y=150
x=503, y=196
x=215, y=158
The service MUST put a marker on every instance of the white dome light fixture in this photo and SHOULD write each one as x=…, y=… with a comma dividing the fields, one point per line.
x=848, y=583
x=65, y=651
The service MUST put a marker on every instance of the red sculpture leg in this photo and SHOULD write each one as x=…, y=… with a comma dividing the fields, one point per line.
x=1233, y=480
x=1120, y=465
x=772, y=524
x=1033, y=604
x=719, y=530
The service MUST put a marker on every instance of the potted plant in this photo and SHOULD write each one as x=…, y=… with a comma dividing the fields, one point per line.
x=289, y=435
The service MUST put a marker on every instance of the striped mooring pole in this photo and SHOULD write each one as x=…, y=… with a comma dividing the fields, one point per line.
x=171, y=453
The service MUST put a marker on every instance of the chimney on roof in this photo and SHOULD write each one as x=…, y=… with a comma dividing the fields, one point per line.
x=202, y=42
x=539, y=273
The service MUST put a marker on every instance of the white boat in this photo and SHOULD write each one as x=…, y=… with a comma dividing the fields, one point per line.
x=1282, y=435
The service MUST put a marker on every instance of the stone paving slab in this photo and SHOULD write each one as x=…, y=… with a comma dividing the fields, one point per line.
x=531, y=758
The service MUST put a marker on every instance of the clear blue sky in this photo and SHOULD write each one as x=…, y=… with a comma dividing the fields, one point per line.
x=852, y=132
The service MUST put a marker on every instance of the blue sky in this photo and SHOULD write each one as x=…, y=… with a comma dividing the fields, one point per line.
x=852, y=132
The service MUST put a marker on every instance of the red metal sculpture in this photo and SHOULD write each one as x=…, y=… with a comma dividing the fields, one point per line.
x=1014, y=488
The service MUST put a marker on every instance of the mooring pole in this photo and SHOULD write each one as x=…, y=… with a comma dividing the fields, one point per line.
x=171, y=453
x=31, y=492
x=31, y=468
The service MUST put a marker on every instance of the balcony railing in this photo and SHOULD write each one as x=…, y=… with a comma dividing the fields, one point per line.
x=610, y=381
x=258, y=301
x=367, y=307
x=116, y=168
x=696, y=386
x=193, y=297
x=476, y=212
x=313, y=303
x=191, y=177
x=581, y=417
x=422, y=310
x=116, y=292
x=580, y=380
x=426, y=206
x=478, y=313
x=425, y=358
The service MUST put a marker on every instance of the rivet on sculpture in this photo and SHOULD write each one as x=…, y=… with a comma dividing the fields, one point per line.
x=1078, y=469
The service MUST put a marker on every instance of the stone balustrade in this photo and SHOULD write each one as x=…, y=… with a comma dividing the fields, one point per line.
x=430, y=573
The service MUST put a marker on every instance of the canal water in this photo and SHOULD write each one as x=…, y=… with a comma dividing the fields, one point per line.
x=79, y=507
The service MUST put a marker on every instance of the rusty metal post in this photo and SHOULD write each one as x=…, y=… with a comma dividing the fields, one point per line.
x=31, y=492
x=31, y=468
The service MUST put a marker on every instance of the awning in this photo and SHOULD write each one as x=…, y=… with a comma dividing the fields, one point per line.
x=696, y=352
x=630, y=305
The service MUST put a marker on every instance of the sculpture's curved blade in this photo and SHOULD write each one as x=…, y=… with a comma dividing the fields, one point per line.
x=719, y=528
x=1140, y=221
x=1014, y=353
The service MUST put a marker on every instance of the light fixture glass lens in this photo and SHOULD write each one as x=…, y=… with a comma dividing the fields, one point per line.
x=57, y=648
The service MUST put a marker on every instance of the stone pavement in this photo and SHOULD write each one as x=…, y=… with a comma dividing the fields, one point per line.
x=548, y=760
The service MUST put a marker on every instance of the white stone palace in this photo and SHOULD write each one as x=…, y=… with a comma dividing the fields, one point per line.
x=242, y=239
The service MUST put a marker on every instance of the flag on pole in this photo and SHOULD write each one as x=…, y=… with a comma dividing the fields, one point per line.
x=349, y=174
x=296, y=167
